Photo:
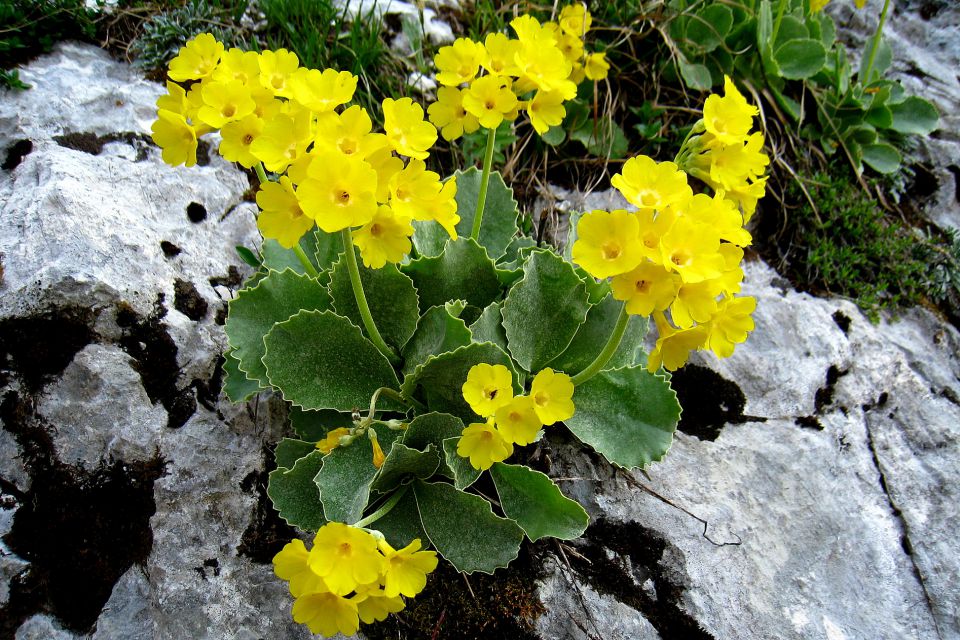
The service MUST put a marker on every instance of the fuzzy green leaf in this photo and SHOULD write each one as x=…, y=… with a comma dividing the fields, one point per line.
x=295, y=495
x=402, y=524
x=536, y=504
x=695, y=76
x=431, y=429
x=915, y=116
x=628, y=415
x=463, y=473
x=441, y=378
x=403, y=463
x=881, y=157
x=390, y=296
x=289, y=450
x=327, y=248
x=320, y=360
x=800, y=58
x=438, y=331
x=464, y=530
x=277, y=257
x=489, y=327
x=593, y=335
x=542, y=312
x=499, y=224
x=346, y=475
x=314, y=425
x=237, y=386
x=254, y=312
x=463, y=271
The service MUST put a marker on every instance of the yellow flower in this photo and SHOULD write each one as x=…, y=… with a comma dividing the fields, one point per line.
x=816, y=6
x=860, y=3
x=345, y=557
x=225, y=102
x=406, y=130
x=237, y=64
x=386, y=165
x=176, y=138
x=596, y=66
x=448, y=114
x=291, y=564
x=552, y=394
x=197, y=59
x=731, y=165
x=484, y=445
x=283, y=140
x=575, y=19
x=517, y=420
x=545, y=67
x=674, y=346
x=571, y=46
x=327, y=614
x=721, y=214
x=499, y=54
x=729, y=281
x=653, y=225
x=730, y=325
x=373, y=605
x=531, y=33
x=407, y=569
x=378, y=457
x=746, y=196
x=443, y=208
x=332, y=440
x=350, y=132
x=340, y=191
x=546, y=110
x=412, y=189
x=608, y=243
x=384, y=239
x=281, y=217
x=175, y=100
x=459, y=62
x=692, y=250
x=276, y=67
x=236, y=138
x=646, y=289
x=728, y=118
x=322, y=91
x=490, y=99
x=696, y=303
x=488, y=387
x=648, y=184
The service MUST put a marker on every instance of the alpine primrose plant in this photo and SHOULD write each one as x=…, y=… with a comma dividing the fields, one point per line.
x=459, y=338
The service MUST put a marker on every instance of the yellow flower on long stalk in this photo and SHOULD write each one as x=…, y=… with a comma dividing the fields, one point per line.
x=518, y=421
x=176, y=138
x=339, y=192
x=730, y=117
x=608, y=243
x=322, y=91
x=236, y=139
x=546, y=110
x=276, y=67
x=281, y=216
x=459, y=62
x=648, y=184
x=196, y=60
x=552, y=395
x=407, y=132
x=487, y=388
x=406, y=569
x=483, y=444
x=448, y=114
x=490, y=100
x=386, y=238
x=646, y=289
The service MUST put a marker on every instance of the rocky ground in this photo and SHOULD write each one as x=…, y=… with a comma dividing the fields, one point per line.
x=810, y=493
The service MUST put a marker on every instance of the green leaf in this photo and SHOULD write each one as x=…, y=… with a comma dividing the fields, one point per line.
x=628, y=415
x=390, y=296
x=881, y=157
x=277, y=257
x=881, y=62
x=800, y=58
x=791, y=28
x=602, y=137
x=695, y=76
x=542, y=312
x=346, y=475
x=431, y=429
x=437, y=332
x=402, y=524
x=517, y=246
x=489, y=327
x=597, y=290
x=464, y=530
x=499, y=224
x=593, y=335
x=248, y=256
x=327, y=248
x=295, y=495
x=554, y=136
x=463, y=473
x=253, y=313
x=537, y=504
x=314, y=425
x=320, y=360
x=880, y=117
x=463, y=271
x=237, y=386
x=403, y=463
x=709, y=26
x=289, y=450
x=441, y=377
x=828, y=30
x=915, y=116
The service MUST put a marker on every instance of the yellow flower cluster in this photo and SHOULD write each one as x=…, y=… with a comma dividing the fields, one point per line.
x=336, y=172
x=817, y=5
x=510, y=420
x=679, y=251
x=350, y=576
x=485, y=83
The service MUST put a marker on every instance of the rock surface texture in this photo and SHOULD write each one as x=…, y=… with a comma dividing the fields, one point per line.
x=810, y=492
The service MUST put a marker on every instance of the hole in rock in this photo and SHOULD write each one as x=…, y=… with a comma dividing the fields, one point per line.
x=824, y=396
x=188, y=301
x=16, y=153
x=93, y=144
x=40, y=346
x=80, y=530
x=196, y=212
x=809, y=422
x=842, y=320
x=232, y=280
x=267, y=532
x=169, y=249
x=709, y=401
x=955, y=170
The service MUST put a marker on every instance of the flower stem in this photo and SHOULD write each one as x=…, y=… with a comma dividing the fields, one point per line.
x=305, y=261
x=384, y=509
x=395, y=395
x=875, y=44
x=362, y=305
x=261, y=173
x=609, y=349
x=484, y=179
